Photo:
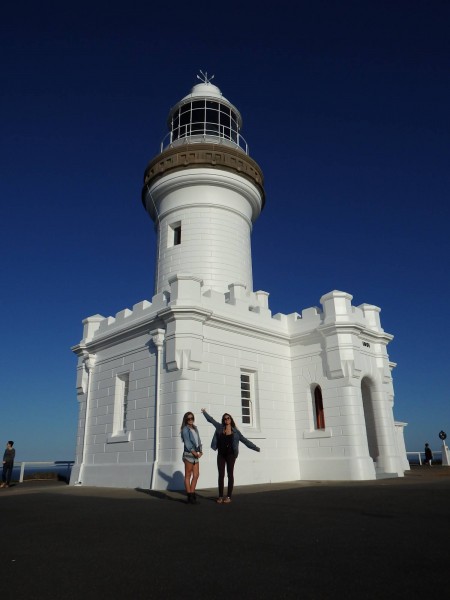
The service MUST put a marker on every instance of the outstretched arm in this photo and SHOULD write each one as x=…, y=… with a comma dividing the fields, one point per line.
x=248, y=443
x=210, y=419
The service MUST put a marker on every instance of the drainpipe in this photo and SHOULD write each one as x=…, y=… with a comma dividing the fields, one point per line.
x=158, y=340
x=89, y=361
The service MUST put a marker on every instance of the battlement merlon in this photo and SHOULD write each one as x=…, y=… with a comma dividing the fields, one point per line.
x=238, y=302
x=337, y=308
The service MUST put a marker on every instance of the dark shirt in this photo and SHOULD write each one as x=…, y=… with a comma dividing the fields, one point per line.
x=9, y=455
x=225, y=444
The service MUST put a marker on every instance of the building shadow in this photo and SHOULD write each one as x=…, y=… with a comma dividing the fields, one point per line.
x=174, y=491
x=175, y=483
x=160, y=495
x=175, y=488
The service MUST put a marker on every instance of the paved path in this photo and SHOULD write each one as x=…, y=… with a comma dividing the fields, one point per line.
x=311, y=540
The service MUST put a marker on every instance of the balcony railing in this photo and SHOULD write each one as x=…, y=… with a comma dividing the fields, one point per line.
x=204, y=135
x=437, y=456
x=53, y=464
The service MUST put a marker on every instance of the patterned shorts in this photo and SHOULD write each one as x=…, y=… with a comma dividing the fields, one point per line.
x=190, y=458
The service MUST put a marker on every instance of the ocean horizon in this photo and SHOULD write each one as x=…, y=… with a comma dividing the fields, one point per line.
x=58, y=470
x=61, y=470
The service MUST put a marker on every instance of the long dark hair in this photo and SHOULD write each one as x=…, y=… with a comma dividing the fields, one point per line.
x=233, y=424
x=184, y=421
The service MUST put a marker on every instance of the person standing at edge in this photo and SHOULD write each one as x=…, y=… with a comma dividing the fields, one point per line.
x=191, y=455
x=226, y=441
x=428, y=455
x=8, y=464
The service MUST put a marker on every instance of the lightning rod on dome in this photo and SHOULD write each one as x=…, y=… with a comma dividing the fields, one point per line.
x=204, y=77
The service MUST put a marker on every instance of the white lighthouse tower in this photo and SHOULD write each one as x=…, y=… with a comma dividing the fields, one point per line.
x=313, y=388
x=204, y=192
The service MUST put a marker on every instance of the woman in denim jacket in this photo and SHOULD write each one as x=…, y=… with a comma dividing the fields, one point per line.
x=226, y=441
x=191, y=455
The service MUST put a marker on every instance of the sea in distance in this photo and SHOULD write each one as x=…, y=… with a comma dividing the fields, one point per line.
x=413, y=457
x=61, y=470
x=58, y=470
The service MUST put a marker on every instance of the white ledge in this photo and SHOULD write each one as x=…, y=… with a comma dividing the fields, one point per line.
x=118, y=437
x=317, y=433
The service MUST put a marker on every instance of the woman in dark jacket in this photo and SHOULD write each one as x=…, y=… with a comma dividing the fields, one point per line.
x=226, y=441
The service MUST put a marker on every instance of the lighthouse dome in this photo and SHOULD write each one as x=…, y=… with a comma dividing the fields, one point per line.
x=205, y=90
x=205, y=116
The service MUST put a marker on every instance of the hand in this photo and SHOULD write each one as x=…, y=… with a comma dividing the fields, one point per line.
x=203, y=410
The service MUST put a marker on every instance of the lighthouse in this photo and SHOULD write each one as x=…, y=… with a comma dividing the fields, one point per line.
x=313, y=389
x=204, y=192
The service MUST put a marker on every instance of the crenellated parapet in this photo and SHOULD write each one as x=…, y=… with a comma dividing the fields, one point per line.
x=349, y=335
x=345, y=333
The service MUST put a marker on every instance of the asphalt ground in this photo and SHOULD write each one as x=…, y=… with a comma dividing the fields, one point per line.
x=312, y=540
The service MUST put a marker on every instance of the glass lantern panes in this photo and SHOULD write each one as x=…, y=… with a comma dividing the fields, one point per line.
x=205, y=118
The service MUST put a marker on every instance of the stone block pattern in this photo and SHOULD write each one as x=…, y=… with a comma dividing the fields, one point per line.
x=339, y=349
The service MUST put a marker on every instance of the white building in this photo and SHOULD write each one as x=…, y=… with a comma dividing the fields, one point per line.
x=314, y=391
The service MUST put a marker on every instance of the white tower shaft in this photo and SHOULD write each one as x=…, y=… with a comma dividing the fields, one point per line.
x=203, y=193
x=204, y=221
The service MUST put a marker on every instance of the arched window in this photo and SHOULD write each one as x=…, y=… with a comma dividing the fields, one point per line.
x=318, y=408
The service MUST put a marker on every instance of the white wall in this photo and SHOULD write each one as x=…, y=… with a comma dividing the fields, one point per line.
x=210, y=338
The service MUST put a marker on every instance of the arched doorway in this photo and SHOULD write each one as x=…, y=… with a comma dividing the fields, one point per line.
x=369, y=418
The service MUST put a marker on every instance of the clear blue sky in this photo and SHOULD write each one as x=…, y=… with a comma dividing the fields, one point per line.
x=346, y=107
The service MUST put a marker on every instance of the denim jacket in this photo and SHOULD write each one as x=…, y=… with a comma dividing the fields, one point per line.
x=189, y=440
x=237, y=436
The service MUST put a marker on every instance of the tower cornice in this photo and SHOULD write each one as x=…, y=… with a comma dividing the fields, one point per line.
x=214, y=156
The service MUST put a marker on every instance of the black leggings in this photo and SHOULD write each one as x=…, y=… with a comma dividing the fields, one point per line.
x=229, y=461
x=7, y=472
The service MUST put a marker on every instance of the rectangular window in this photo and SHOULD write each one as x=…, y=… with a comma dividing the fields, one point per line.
x=247, y=398
x=174, y=234
x=121, y=403
x=177, y=235
x=185, y=118
x=212, y=116
x=198, y=116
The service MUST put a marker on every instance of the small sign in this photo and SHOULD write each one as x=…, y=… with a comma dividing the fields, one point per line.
x=442, y=435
